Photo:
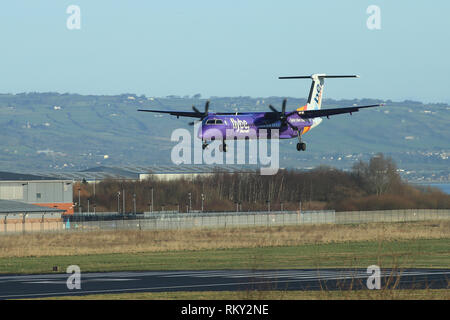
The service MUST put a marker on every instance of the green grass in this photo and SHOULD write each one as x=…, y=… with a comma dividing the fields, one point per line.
x=386, y=254
x=427, y=294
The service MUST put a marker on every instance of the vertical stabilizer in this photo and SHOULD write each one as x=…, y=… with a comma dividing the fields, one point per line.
x=316, y=91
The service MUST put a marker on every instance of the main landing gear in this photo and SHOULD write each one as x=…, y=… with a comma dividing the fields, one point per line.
x=301, y=146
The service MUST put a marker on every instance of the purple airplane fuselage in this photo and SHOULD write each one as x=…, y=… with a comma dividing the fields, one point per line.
x=251, y=124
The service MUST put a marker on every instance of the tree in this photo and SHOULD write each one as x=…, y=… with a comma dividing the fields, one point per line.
x=378, y=176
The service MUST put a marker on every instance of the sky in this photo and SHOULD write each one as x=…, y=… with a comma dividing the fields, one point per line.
x=227, y=48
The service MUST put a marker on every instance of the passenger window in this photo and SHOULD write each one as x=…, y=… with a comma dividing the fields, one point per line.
x=219, y=121
x=210, y=121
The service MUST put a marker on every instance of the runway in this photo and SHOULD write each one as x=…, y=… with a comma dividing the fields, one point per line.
x=54, y=285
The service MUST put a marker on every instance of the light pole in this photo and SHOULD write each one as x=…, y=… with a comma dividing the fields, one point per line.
x=281, y=205
x=151, y=210
x=118, y=202
x=79, y=201
x=203, y=198
x=268, y=205
x=123, y=201
x=134, y=203
x=190, y=202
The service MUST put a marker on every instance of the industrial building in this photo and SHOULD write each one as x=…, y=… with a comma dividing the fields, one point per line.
x=16, y=216
x=55, y=189
x=37, y=190
x=160, y=172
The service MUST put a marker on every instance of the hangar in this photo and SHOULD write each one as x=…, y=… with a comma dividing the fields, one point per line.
x=37, y=190
x=159, y=172
x=16, y=216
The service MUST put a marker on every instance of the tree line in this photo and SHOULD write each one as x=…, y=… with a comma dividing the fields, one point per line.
x=372, y=185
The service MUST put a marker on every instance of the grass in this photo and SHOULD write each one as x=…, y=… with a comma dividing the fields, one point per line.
x=426, y=294
x=388, y=245
x=429, y=253
x=412, y=244
x=134, y=242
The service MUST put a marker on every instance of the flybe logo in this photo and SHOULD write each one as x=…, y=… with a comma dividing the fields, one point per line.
x=318, y=91
x=240, y=125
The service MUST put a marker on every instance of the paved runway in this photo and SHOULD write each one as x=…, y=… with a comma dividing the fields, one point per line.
x=53, y=285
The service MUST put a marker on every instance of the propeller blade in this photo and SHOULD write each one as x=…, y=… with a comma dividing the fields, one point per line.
x=283, y=108
x=195, y=109
x=272, y=108
x=206, y=107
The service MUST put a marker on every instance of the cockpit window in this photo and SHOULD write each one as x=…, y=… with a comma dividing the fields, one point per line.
x=214, y=121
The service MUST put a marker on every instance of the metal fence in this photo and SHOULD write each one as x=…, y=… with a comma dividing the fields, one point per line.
x=173, y=220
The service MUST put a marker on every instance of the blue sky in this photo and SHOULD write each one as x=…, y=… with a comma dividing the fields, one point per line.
x=227, y=48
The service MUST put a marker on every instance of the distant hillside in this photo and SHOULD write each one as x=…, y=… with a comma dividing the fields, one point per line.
x=45, y=131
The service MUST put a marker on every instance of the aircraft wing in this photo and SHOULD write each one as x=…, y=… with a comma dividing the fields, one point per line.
x=177, y=113
x=307, y=114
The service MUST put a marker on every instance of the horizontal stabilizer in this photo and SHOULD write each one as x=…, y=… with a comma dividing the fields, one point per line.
x=320, y=76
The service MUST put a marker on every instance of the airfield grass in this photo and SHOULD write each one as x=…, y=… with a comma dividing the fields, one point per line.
x=392, y=254
x=388, y=245
x=424, y=294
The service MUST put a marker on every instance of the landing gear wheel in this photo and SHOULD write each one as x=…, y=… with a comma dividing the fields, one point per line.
x=301, y=146
x=204, y=145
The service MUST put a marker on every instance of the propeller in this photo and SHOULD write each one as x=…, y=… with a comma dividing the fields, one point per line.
x=202, y=115
x=282, y=115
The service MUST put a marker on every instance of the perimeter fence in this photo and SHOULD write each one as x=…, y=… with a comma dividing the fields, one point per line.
x=175, y=220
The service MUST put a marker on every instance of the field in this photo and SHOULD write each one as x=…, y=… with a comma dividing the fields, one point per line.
x=276, y=295
x=414, y=244
x=389, y=245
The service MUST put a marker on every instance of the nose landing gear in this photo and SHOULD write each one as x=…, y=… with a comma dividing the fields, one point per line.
x=223, y=147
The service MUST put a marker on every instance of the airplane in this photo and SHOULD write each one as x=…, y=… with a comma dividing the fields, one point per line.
x=292, y=124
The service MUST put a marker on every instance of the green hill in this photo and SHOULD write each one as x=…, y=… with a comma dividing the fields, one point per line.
x=51, y=131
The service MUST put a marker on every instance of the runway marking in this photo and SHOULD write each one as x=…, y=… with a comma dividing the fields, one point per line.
x=82, y=281
x=273, y=277
x=146, y=289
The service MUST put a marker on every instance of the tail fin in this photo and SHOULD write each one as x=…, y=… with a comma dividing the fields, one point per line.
x=316, y=91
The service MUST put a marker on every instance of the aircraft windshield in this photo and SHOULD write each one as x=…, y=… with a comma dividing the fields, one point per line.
x=214, y=122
